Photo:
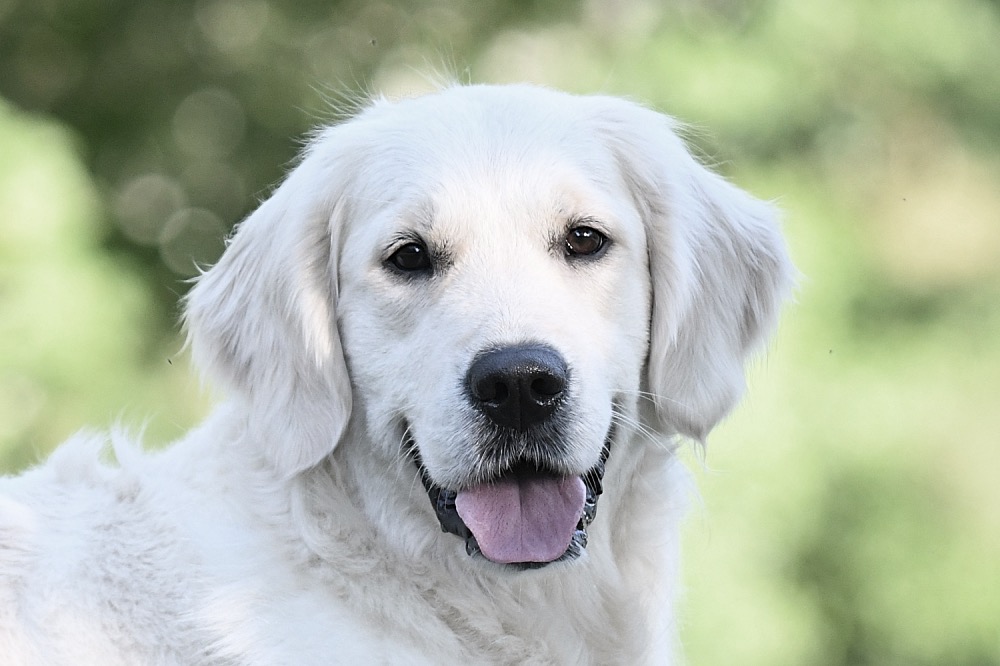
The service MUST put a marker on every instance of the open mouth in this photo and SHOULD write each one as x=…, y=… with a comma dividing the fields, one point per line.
x=526, y=517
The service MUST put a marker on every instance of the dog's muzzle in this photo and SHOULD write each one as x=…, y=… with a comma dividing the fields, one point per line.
x=529, y=514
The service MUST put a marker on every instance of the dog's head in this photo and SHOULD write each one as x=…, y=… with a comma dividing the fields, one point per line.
x=495, y=277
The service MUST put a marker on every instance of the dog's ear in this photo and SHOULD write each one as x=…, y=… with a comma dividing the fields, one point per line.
x=719, y=270
x=262, y=321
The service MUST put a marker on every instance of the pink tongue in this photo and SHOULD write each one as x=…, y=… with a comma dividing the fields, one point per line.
x=523, y=520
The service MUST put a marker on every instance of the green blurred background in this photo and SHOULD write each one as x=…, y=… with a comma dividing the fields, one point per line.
x=851, y=508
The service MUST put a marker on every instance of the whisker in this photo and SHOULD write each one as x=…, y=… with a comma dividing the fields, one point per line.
x=403, y=457
x=653, y=397
x=638, y=427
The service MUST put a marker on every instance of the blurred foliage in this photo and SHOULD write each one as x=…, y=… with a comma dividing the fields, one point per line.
x=851, y=513
x=189, y=110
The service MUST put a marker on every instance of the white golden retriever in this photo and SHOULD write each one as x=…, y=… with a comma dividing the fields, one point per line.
x=461, y=321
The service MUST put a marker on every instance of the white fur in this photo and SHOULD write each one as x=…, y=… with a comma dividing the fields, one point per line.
x=290, y=528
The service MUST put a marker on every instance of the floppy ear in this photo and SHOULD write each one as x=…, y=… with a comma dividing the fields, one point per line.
x=719, y=270
x=262, y=320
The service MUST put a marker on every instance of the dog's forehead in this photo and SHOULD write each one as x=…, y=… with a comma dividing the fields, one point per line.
x=491, y=159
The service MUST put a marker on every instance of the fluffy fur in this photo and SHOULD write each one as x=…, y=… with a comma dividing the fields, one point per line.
x=292, y=527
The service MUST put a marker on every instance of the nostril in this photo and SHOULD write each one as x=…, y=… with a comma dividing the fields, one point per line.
x=547, y=386
x=491, y=391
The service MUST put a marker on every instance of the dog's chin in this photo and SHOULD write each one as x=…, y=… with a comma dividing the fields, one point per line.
x=520, y=478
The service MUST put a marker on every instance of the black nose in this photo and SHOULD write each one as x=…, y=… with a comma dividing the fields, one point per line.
x=518, y=387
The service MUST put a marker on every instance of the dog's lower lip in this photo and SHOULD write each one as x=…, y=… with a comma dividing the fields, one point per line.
x=443, y=503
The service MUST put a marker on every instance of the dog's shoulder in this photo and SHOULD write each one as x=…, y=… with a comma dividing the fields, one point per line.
x=113, y=555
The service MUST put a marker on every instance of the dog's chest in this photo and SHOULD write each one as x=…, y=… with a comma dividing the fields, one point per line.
x=374, y=618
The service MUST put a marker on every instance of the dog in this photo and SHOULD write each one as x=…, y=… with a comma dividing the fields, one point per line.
x=459, y=346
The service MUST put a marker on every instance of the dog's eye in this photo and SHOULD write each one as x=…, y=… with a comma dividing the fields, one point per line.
x=411, y=258
x=584, y=241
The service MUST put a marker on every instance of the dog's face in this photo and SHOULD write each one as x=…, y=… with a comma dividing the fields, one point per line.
x=494, y=309
x=493, y=276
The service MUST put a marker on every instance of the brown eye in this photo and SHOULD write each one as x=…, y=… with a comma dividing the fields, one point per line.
x=410, y=258
x=584, y=242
